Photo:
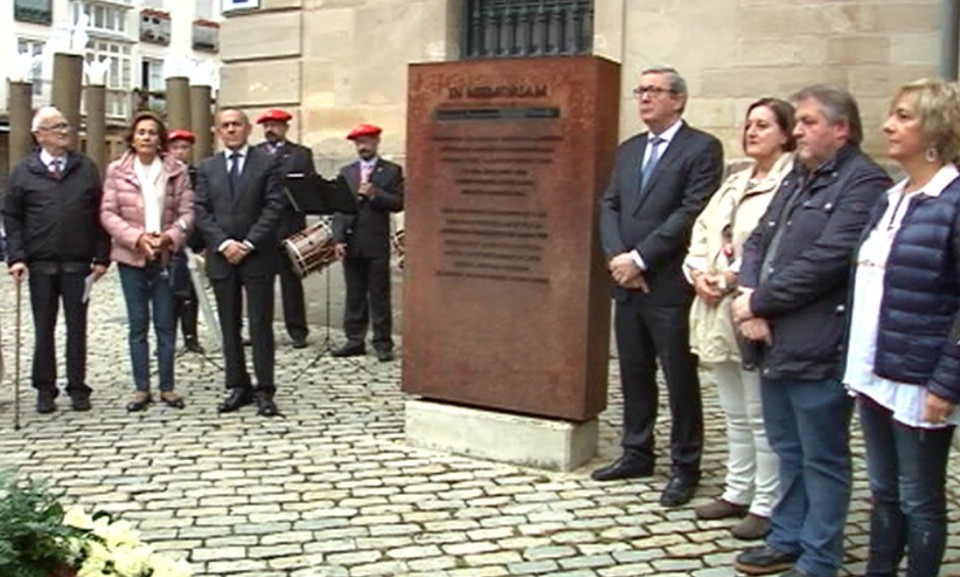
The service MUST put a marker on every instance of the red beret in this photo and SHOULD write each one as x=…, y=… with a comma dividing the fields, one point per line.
x=181, y=135
x=274, y=114
x=364, y=130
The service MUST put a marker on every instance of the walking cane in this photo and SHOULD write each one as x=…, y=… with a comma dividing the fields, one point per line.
x=16, y=360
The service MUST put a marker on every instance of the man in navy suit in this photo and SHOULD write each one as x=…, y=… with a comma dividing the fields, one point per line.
x=239, y=201
x=363, y=242
x=294, y=159
x=661, y=181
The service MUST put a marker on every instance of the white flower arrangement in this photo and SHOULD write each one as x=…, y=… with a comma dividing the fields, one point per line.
x=106, y=548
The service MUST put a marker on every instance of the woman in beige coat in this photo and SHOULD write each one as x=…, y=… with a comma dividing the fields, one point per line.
x=752, y=487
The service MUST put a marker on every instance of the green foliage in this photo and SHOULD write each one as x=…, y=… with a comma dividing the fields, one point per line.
x=33, y=539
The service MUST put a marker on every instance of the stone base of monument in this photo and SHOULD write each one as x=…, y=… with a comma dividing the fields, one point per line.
x=486, y=434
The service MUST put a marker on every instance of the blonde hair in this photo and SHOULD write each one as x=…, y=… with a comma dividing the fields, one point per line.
x=938, y=105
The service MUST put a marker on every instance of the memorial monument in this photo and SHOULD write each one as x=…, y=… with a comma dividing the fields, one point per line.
x=506, y=303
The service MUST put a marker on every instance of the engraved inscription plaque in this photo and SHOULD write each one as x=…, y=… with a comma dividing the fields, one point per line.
x=506, y=303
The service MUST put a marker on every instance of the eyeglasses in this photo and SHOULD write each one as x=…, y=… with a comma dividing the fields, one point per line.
x=651, y=90
x=60, y=126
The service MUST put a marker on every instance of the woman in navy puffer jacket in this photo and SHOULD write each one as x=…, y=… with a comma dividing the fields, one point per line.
x=903, y=356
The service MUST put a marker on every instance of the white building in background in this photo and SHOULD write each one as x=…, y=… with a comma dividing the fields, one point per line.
x=134, y=37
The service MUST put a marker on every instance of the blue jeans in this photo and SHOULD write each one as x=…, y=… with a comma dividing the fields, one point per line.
x=908, y=472
x=144, y=288
x=808, y=425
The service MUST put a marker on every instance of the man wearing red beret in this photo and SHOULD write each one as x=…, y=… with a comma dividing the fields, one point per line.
x=180, y=145
x=294, y=159
x=363, y=242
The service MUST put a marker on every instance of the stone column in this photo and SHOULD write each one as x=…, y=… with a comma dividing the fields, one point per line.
x=201, y=121
x=21, y=106
x=96, y=100
x=178, y=103
x=67, y=83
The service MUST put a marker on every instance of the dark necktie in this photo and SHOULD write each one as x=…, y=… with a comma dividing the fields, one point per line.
x=652, y=161
x=55, y=168
x=234, y=175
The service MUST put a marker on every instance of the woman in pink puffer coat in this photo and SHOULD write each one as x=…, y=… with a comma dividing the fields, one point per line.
x=148, y=210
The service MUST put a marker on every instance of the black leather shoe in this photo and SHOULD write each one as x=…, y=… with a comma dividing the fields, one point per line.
x=385, y=356
x=266, y=407
x=193, y=345
x=238, y=398
x=46, y=402
x=299, y=343
x=626, y=467
x=139, y=402
x=80, y=402
x=349, y=350
x=680, y=489
x=764, y=560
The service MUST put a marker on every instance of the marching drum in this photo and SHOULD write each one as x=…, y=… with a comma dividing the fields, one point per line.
x=311, y=249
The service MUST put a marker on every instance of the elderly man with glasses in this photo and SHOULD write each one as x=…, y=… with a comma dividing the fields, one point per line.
x=55, y=241
x=661, y=181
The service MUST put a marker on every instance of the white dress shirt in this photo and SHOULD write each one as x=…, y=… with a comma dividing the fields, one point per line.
x=666, y=138
x=47, y=159
x=243, y=151
x=367, y=166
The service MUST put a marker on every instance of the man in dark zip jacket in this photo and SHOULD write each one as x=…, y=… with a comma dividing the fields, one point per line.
x=54, y=239
x=794, y=274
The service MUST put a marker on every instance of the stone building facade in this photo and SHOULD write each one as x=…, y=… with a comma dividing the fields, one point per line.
x=335, y=63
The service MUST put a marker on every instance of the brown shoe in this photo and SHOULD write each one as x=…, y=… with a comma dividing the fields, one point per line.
x=751, y=528
x=720, y=509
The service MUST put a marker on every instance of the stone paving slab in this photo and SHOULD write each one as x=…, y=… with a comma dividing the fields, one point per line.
x=331, y=490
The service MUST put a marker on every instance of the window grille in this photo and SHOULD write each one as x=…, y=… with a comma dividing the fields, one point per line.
x=512, y=28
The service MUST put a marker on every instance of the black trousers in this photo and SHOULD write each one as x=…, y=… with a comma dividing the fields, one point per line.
x=368, y=301
x=294, y=306
x=46, y=293
x=645, y=334
x=229, y=295
x=187, y=312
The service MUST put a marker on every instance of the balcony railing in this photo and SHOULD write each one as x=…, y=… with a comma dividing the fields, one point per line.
x=206, y=36
x=155, y=26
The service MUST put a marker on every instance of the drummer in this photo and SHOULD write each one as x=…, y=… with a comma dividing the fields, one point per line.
x=295, y=159
x=363, y=241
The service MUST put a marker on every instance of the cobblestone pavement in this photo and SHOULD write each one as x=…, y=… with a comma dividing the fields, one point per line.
x=331, y=490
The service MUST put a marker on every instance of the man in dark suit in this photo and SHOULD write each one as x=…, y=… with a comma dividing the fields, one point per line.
x=661, y=181
x=55, y=240
x=294, y=159
x=363, y=242
x=239, y=202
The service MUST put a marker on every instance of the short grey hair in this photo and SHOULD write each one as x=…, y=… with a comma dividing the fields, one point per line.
x=838, y=106
x=677, y=84
x=43, y=113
